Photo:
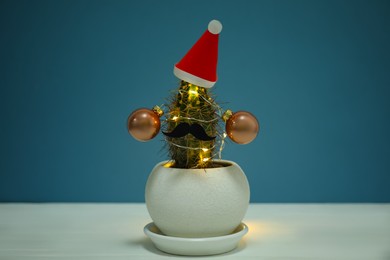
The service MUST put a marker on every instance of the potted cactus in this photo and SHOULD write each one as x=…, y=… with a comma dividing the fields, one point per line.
x=196, y=194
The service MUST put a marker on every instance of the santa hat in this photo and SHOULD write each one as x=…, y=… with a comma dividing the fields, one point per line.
x=199, y=65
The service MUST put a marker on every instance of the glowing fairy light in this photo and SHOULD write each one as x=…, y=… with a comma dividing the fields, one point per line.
x=193, y=92
x=205, y=149
x=168, y=164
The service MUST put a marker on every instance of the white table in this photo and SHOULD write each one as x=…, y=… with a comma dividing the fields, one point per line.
x=115, y=231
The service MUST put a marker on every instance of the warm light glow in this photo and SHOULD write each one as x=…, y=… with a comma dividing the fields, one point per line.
x=175, y=118
x=205, y=149
x=193, y=92
x=205, y=159
x=168, y=164
x=260, y=229
x=255, y=228
x=224, y=135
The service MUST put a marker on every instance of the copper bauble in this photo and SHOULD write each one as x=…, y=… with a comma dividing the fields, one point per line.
x=143, y=124
x=242, y=127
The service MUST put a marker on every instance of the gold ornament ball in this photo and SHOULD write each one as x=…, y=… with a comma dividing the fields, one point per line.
x=143, y=124
x=242, y=127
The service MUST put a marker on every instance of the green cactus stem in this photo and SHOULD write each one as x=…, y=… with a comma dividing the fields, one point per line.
x=192, y=104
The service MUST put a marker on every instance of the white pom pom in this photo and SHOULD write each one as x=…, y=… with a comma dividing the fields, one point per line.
x=215, y=27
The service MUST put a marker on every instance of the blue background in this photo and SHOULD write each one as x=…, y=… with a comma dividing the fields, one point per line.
x=315, y=73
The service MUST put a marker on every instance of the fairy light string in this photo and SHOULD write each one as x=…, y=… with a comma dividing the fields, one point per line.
x=193, y=104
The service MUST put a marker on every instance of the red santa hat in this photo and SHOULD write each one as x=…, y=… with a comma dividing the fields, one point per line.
x=199, y=65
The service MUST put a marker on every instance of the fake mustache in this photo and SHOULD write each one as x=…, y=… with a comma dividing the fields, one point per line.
x=195, y=129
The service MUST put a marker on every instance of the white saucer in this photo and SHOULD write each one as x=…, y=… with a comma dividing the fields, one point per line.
x=195, y=246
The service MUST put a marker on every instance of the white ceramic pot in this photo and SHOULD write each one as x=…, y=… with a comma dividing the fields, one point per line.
x=197, y=202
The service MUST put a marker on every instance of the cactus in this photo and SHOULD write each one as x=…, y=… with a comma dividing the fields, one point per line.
x=192, y=104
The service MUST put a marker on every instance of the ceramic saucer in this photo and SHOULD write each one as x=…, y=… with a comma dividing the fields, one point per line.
x=195, y=246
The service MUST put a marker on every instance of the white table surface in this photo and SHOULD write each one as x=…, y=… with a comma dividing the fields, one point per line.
x=115, y=231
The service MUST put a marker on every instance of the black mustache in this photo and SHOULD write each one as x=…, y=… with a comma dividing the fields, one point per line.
x=195, y=129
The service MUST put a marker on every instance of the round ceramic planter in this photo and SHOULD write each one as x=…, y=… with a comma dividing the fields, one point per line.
x=196, y=203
